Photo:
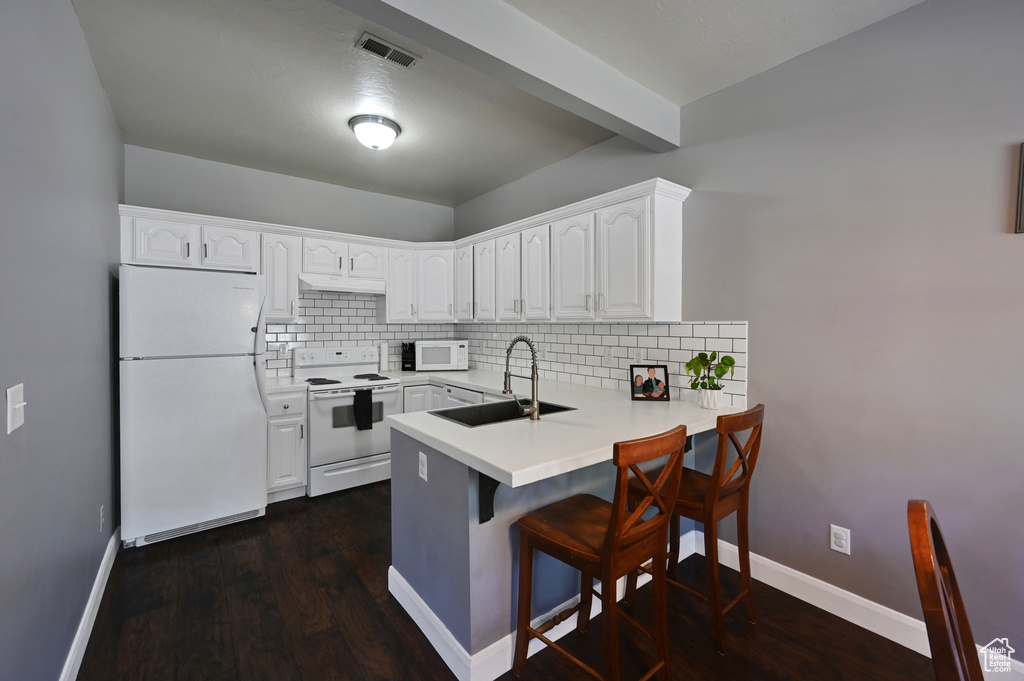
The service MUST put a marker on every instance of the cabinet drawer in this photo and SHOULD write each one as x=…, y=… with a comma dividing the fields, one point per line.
x=290, y=404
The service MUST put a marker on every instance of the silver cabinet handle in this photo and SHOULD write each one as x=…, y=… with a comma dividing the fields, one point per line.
x=449, y=309
x=293, y=308
x=302, y=431
x=188, y=249
x=411, y=311
x=604, y=303
x=588, y=302
x=204, y=252
x=351, y=264
x=341, y=263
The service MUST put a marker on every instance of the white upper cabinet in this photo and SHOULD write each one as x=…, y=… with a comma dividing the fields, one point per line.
x=401, y=296
x=536, y=273
x=507, y=279
x=281, y=260
x=174, y=243
x=572, y=268
x=435, y=278
x=483, y=281
x=162, y=242
x=624, y=261
x=324, y=256
x=366, y=262
x=227, y=248
x=464, y=284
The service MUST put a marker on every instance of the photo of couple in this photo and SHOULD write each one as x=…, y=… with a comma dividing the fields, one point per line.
x=649, y=382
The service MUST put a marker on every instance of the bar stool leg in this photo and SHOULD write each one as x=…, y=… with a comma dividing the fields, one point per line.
x=661, y=615
x=610, y=610
x=714, y=582
x=673, y=544
x=586, y=598
x=743, y=541
x=523, y=614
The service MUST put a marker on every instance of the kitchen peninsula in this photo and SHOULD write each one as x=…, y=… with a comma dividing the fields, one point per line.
x=454, y=569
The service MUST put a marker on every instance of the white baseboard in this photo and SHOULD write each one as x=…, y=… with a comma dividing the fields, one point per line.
x=494, y=660
x=886, y=622
x=92, y=606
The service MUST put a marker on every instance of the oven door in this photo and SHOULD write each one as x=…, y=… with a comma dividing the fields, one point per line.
x=333, y=436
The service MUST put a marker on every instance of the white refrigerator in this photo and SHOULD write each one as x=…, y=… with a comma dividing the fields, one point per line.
x=193, y=401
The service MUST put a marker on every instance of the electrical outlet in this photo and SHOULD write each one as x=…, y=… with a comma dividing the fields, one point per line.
x=102, y=517
x=423, y=466
x=638, y=355
x=608, y=359
x=839, y=539
x=541, y=352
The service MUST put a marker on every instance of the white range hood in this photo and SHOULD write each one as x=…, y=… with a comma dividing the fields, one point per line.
x=330, y=282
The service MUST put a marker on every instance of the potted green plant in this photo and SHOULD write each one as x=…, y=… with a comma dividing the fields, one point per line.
x=707, y=377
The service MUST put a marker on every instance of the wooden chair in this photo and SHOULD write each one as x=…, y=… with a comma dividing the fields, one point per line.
x=709, y=498
x=949, y=634
x=604, y=541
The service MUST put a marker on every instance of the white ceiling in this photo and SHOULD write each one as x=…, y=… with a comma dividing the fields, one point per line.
x=503, y=87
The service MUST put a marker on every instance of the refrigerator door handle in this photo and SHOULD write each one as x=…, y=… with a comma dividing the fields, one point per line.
x=258, y=363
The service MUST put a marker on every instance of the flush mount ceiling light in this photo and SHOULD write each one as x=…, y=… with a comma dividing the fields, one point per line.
x=375, y=132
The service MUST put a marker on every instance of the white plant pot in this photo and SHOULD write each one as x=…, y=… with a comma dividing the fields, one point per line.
x=711, y=399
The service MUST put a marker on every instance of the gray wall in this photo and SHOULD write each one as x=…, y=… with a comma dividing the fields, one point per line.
x=856, y=206
x=158, y=179
x=60, y=179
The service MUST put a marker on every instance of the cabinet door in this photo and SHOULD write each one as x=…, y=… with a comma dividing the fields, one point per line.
x=324, y=256
x=281, y=261
x=536, y=273
x=507, y=288
x=286, y=453
x=572, y=267
x=401, y=295
x=483, y=281
x=415, y=398
x=624, y=261
x=226, y=248
x=435, y=291
x=435, y=397
x=464, y=284
x=163, y=242
x=365, y=262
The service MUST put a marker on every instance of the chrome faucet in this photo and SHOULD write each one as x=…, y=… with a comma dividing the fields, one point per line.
x=534, y=409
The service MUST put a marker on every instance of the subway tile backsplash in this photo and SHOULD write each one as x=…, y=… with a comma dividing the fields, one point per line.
x=591, y=354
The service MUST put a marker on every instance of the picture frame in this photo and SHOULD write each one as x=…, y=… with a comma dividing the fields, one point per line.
x=1020, y=194
x=649, y=383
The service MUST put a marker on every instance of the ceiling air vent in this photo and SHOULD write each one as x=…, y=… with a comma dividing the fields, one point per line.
x=386, y=50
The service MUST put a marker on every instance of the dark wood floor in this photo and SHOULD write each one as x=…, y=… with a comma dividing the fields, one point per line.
x=302, y=594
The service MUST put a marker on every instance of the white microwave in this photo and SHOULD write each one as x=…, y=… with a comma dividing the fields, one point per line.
x=442, y=355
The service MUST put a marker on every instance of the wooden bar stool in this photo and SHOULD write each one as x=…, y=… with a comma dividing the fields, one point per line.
x=603, y=541
x=949, y=633
x=709, y=498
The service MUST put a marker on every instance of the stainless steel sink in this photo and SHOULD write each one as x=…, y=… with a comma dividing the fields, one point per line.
x=475, y=415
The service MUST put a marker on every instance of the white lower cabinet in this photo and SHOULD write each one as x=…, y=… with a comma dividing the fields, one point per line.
x=423, y=398
x=286, y=444
x=415, y=398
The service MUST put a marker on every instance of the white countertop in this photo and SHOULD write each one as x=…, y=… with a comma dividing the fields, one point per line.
x=520, y=452
x=285, y=384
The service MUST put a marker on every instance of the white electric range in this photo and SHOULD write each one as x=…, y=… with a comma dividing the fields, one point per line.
x=349, y=445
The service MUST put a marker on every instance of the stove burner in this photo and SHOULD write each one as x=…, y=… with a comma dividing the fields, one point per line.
x=321, y=381
x=371, y=377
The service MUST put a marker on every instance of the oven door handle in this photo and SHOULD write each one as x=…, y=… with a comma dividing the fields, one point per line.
x=350, y=392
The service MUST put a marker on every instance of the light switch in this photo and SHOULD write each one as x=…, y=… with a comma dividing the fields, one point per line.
x=16, y=407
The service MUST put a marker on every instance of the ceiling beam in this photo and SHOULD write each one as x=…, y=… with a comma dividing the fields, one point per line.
x=499, y=40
